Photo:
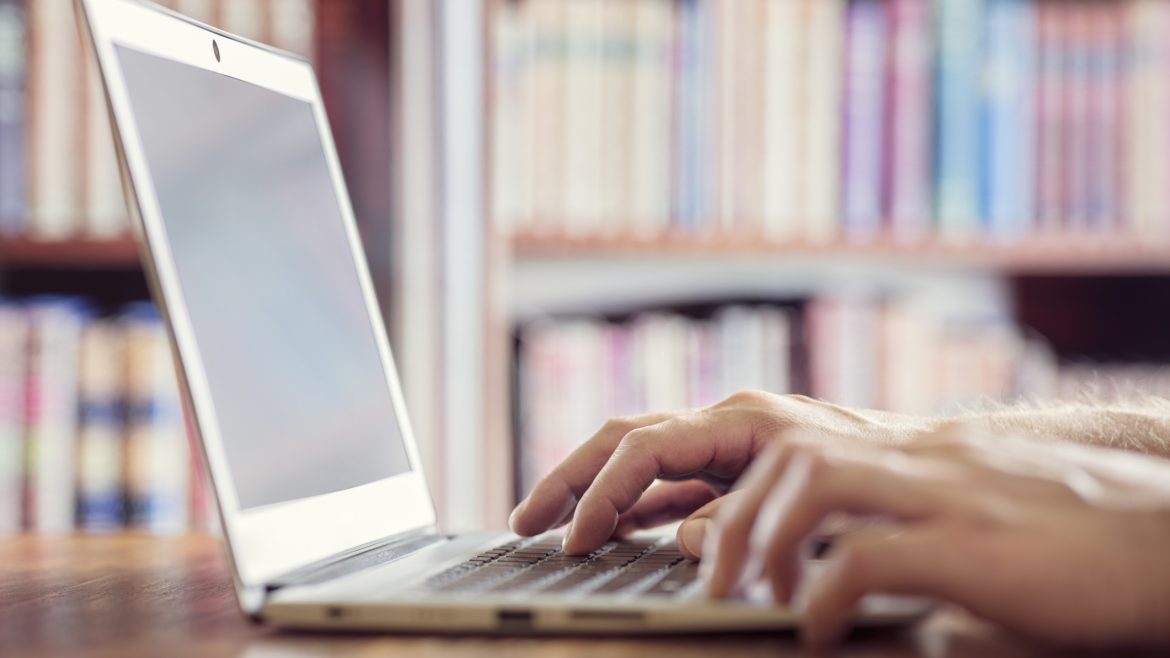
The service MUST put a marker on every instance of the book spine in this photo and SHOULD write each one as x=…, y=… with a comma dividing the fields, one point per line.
x=726, y=119
x=12, y=115
x=651, y=126
x=749, y=70
x=822, y=112
x=51, y=412
x=105, y=212
x=687, y=96
x=617, y=101
x=908, y=121
x=583, y=116
x=204, y=11
x=1049, y=114
x=1104, y=131
x=1007, y=176
x=958, y=92
x=293, y=26
x=244, y=17
x=1076, y=121
x=54, y=129
x=1147, y=106
x=99, y=451
x=509, y=176
x=13, y=357
x=157, y=458
x=864, y=102
x=784, y=32
x=548, y=54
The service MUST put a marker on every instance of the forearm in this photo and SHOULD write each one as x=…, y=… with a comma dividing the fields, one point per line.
x=1136, y=426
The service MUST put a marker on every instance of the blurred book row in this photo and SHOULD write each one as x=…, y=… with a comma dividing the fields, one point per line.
x=92, y=435
x=895, y=353
x=59, y=174
x=833, y=119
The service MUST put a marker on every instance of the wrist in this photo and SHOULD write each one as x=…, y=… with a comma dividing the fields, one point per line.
x=863, y=425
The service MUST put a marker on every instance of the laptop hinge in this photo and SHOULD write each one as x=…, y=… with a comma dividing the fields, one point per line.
x=372, y=554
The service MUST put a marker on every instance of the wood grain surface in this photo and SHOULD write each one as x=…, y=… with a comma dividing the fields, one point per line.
x=130, y=596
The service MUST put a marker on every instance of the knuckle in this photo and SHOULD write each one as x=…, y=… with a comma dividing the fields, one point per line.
x=619, y=426
x=636, y=439
x=745, y=398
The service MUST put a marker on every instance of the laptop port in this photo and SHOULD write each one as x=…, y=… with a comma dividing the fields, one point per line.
x=514, y=619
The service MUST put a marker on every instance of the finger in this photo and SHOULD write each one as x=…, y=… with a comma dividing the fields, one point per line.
x=692, y=533
x=726, y=548
x=819, y=487
x=680, y=447
x=551, y=501
x=886, y=560
x=663, y=503
x=817, y=483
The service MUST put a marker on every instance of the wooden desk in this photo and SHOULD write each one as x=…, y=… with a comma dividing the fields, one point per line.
x=130, y=596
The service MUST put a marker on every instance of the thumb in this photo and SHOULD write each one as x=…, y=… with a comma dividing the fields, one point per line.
x=692, y=533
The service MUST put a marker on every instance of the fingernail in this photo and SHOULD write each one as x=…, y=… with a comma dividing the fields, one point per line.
x=691, y=535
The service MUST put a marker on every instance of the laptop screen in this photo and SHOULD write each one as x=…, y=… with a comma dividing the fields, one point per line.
x=269, y=281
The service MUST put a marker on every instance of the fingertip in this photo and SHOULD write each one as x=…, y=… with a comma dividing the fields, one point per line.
x=691, y=537
x=515, y=522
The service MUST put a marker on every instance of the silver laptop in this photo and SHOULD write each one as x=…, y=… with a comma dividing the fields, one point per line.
x=251, y=247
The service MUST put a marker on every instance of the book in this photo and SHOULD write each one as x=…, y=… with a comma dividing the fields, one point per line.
x=104, y=206
x=546, y=142
x=958, y=85
x=908, y=121
x=784, y=31
x=691, y=206
x=802, y=120
x=822, y=109
x=911, y=353
x=55, y=326
x=1049, y=119
x=13, y=29
x=1075, y=85
x=1007, y=177
x=291, y=26
x=615, y=193
x=54, y=69
x=13, y=372
x=863, y=119
x=511, y=192
x=651, y=80
x=101, y=387
x=584, y=115
x=157, y=451
x=1102, y=201
x=1147, y=102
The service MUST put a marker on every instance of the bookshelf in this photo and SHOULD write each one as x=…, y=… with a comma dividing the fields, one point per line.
x=1071, y=256
x=465, y=259
x=993, y=157
x=70, y=270
x=71, y=254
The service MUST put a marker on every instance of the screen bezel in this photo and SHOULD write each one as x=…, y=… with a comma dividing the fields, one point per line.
x=269, y=541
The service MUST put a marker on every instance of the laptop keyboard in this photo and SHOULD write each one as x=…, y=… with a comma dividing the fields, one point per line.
x=641, y=568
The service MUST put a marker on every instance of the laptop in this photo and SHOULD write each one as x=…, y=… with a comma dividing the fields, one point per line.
x=253, y=256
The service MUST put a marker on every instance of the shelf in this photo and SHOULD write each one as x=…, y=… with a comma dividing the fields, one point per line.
x=74, y=253
x=1087, y=255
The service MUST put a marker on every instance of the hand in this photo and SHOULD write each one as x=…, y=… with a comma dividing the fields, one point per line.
x=700, y=453
x=1060, y=542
